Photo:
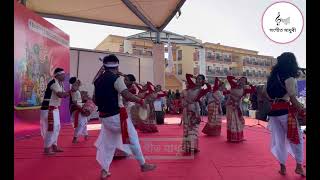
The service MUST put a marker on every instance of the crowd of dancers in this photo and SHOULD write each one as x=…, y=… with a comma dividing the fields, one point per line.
x=126, y=106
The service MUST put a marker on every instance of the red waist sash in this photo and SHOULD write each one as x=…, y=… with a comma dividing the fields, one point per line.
x=292, y=134
x=50, y=118
x=123, y=125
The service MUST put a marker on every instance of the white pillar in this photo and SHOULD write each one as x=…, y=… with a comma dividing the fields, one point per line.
x=158, y=64
x=127, y=46
x=202, y=61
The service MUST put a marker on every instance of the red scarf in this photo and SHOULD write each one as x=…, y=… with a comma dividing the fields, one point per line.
x=292, y=134
x=50, y=118
x=74, y=108
x=76, y=118
x=124, y=126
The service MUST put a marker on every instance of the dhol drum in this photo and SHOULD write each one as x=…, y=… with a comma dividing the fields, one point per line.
x=88, y=108
x=139, y=114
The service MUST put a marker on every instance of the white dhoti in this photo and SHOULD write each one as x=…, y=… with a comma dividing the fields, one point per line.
x=110, y=139
x=50, y=137
x=280, y=144
x=82, y=125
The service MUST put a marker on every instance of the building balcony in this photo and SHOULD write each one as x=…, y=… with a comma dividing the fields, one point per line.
x=220, y=61
x=221, y=73
x=210, y=58
x=255, y=64
x=141, y=52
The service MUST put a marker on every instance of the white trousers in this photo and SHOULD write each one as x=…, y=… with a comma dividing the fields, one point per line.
x=280, y=144
x=81, y=130
x=50, y=137
x=110, y=139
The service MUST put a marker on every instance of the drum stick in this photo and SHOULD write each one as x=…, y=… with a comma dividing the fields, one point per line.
x=101, y=71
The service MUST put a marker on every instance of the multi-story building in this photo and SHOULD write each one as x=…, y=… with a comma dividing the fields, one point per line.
x=142, y=49
x=115, y=43
x=220, y=60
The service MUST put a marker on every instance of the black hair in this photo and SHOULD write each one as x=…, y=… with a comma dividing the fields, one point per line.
x=202, y=76
x=72, y=80
x=286, y=66
x=58, y=70
x=131, y=77
x=243, y=77
x=110, y=58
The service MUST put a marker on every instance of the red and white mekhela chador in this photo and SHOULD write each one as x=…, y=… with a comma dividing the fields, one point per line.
x=191, y=115
x=235, y=120
x=149, y=125
x=213, y=126
x=286, y=134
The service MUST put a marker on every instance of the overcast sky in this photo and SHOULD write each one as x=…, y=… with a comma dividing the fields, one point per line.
x=229, y=22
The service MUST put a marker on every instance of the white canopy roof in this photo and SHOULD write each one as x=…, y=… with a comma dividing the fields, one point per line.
x=153, y=15
x=166, y=36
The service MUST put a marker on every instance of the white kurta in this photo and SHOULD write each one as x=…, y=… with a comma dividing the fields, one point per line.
x=50, y=137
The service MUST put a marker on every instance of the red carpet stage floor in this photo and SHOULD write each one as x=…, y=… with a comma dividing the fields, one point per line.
x=217, y=160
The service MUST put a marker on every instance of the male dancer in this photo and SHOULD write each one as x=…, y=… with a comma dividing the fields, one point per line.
x=115, y=122
x=49, y=114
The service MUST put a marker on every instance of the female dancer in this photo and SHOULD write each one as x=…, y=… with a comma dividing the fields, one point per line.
x=286, y=134
x=213, y=126
x=235, y=120
x=147, y=92
x=191, y=112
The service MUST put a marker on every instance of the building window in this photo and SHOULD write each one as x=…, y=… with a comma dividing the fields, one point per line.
x=247, y=72
x=225, y=71
x=249, y=60
x=209, y=68
x=179, y=69
x=218, y=56
x=227, y=57
x=261, y=63
x=175, y=68
x=209, y=55
x=179, y=55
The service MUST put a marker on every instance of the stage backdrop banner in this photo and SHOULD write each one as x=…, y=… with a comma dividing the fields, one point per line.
x=301, y=88
x=39, y=48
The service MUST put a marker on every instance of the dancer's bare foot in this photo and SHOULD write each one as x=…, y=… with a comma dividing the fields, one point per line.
x=75, y=140
x=105, y=174
x=56, y=149
x=48, y=151
x=282, y=170
x=147, y=167
x=299, y=170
